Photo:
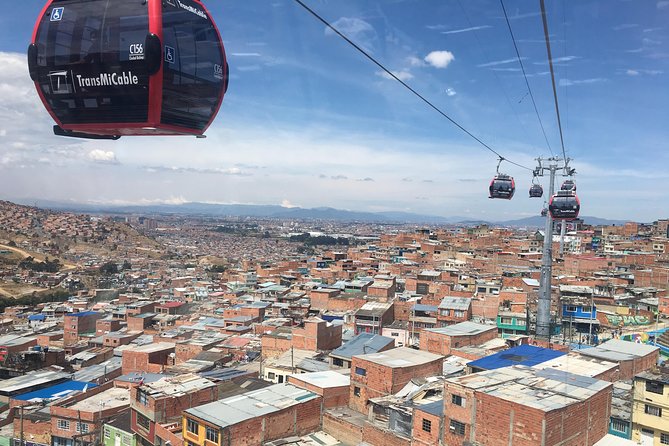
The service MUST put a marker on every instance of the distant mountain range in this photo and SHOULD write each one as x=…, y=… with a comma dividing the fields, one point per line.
x=280, y=212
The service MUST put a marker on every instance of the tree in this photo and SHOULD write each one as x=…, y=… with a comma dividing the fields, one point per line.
x=109, y=268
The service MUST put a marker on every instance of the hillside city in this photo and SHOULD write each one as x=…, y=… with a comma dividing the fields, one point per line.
x=163, y=329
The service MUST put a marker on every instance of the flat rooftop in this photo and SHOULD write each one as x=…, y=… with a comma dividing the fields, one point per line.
x=154, y=347
x=400, y=357
x=177, y=385
x=233, y=410
x=324, y=380
x=618, y=350
x=111, y=398
x=578, y=364
x=32, y=380
x=545, y=390
x=463, y=329
x=527, y=355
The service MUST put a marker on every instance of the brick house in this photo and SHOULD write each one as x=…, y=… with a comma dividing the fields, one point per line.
x=151, y=358
x=524, y=406
x=453, y=310
x=372, y=317
x=385, y=373
x=441, y=340
x=78, y=324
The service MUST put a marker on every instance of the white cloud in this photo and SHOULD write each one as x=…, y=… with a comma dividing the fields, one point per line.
x=355, y=29
x=637, y=72
x=403, y=75
x=450, y=92
x=568, y=82
x=465, y=30
x=663, y=4
x=102, y=156
x=285, y=203
x=625, y=26
x=245, y=54
x=633, y=72
x=415, y=61
x=439, y=59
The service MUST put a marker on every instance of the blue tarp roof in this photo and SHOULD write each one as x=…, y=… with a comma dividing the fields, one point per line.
x=362, y=344
x=426, y=308
x=82, y=313
x=527, y=355
x=36, y=317
x=58, y=391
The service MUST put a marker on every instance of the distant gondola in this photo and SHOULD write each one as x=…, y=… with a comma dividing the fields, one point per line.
x=502, y=186
x=568, y=185
x=536, y=191
x=544, y=212
x=105, y=68
x=564, y=205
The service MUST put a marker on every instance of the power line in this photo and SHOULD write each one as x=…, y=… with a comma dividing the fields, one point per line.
x=550, y=65
x=407, y=86
x=527, y=82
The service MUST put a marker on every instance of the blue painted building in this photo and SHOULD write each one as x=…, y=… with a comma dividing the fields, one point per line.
x=579, y=312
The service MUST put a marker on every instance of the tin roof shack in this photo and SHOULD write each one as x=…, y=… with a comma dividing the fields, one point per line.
x=521, y=405
x=332, y=386
x=373, y=316
x=100, y=373
x=293, y=361
x=632, y=358
x=385, y=373
x=453, y=310
x=150, y=358
x=163, y=401
x=362, y=344
x=190, y=348
x=28, y=383
x=81, y=417
x=527, y=355
x=80, y=325
x=442, y=340
x=254, y=418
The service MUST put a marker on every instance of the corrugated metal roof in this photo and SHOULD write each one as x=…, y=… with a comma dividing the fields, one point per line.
x=618, y=350
x=54, y=392
x=401, y=357
x=462, y=329
x=361, y=344
x=236, y=409
x=455, y=303
x=32, y=380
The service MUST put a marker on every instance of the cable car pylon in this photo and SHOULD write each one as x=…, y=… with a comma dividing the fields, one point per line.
x=543, y=325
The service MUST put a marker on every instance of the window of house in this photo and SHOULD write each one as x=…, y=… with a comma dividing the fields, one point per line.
x=142, y=397
x=457, y=427
x=459, y=313
x=520, y=321
x=107, y=433
x=664, y=438
x=143, y=421
x=653, y=410
x=445, y=312
x=82, y=427
x=394, y=333
x=271, y=375
x=338, y=362
x=427, y=425
x=360, y=371
x=63, y=425
x=506, y=321
x=127, y=440
x=458, y=400
x=212, y=435
x=619, y=425
x=356, y=391
x=571, y=308
x=191, y=426
x=655, y=387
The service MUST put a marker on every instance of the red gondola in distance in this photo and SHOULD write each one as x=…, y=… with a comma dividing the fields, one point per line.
x=108, y=68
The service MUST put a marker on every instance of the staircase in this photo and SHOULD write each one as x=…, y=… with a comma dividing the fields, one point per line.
x=663, y=343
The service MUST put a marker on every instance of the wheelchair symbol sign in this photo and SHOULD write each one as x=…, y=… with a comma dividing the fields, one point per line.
x=57, y=14
x=169, y=54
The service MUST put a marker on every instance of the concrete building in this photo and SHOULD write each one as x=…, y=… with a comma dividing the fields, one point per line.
x=650, y=409
x=523, y=406
x=253, y=418
x=332, y=386
x=385, y=373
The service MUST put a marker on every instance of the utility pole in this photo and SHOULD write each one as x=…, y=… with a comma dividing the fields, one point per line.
x=543, y=330
x=563, y=230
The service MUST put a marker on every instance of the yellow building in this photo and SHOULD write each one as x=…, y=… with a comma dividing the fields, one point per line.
x=650, y=410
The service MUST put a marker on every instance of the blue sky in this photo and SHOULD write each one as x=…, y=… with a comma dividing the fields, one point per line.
x=309, y=122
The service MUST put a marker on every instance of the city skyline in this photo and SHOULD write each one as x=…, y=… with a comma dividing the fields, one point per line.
x=309, y=122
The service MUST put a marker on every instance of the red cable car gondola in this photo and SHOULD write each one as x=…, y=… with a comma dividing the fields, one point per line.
x=568, y=185
x=107, y=68
x=536, y=191
x=502, y=186
x=564, y=205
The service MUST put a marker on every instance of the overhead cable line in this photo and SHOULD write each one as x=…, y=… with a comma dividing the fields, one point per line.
x=407, y=86
x=522, y=67
x=550, y=65
x=484, y=53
